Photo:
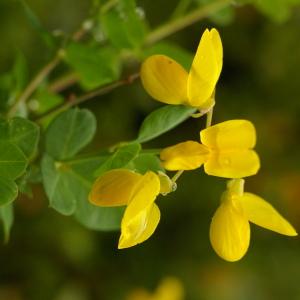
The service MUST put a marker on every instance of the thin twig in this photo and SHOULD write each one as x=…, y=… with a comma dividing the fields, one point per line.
x=177, y=175
x=108, y=5
x=209, y=117
x=36, y=81
x=63, y=82
x=155, y=36
x=92, y=94
x=180, y=9
x=185, y=21
x=43, y=73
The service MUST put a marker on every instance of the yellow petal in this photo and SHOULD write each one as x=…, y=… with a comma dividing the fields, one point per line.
x=263, y=214
x=206, y=68
x=232, y=163
x=139, y=228
x=230, y=135
x=151, y=224
x=229, y=232
x=114, y=188
x=144, y=195
x=164, y=79
x=170, y=289
x=184, y=156
x=141, y=215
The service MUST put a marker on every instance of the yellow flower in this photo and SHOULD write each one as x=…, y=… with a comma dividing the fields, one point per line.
x=230, y=229
x=169, y=289
x=167, y=81
x=138, y=192
x=226, y=151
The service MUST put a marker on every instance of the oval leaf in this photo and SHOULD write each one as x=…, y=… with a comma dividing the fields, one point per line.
x=67, y=186
x=12, y=161
x=147, y=162
x=8, y=191
x=163, y=120
x=70, y=132
x=60, y=188
x=123, y=25
x=7, y=217
x=99, y=218
x=24, y=134
x=122, y=157
x=96, y=66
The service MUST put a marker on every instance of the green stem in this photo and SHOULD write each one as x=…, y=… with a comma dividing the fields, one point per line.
x=71, y=78
x=180, y=9
x=63, y=82
x=42, y=74
x=177, y=175
x=92, y=94
x=36, y=81
x=156, y=35
x=187, y=20
x=209, y=117
x=164, y=30
x=108, y=6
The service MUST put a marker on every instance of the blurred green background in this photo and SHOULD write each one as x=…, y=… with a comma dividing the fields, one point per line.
x=50, y=256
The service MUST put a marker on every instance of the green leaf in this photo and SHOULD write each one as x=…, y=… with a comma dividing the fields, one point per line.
x=33, y=175
x=62, y=189
x=20, y=132
x=67, y=186
x=7, y=217
x=5, y=90
x=13, y=82
x=163, y=120
x=8, y=191
x=69, y=132
x=24, y=186
x=122, y=157
x=36, y=24
x=91, y=216
x=147, y=162
x=98, y=218
x=4, y=130
x=24, y=134
x=12, y=161
x=95, y=66
x=85, y=168
x=182, y=56
x=124, y=26
x=18, y=139
x=44, y=100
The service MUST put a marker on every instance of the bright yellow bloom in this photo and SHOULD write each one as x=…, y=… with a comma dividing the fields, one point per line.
x=226, y=151
x=230, y=228
x=169, y=289
x=167, y=81
x=124, y=187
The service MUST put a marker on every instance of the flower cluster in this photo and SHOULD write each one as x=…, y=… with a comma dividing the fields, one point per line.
x=225, y=150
